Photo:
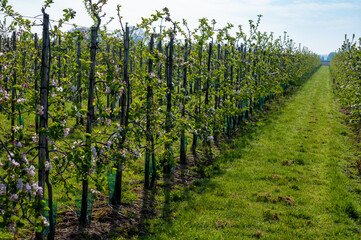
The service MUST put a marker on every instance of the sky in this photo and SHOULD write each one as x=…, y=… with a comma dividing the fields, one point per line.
x=318, y=25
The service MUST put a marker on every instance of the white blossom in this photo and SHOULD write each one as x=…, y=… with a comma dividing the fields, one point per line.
x=19, y=184
x=2, y=189
x=66, y=132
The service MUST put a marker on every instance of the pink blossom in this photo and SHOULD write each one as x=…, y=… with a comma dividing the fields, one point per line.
x=21, y=100
x=94, y=191
x=53, y=82
x=25, y=159
x=31, y=171
x=94, y=151
x=45, y=222
x=66, y=132
x=107, y=90
x=17, y=128
x=15, y=164
x=19, y=184
x=124, y=152
x=48, y=166
x=35, y=138
x=12, y=228
x=14, y=197
x=41, y=110
x=2, y=189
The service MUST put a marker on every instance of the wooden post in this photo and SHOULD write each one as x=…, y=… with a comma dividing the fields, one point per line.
x=168, y=125
x=90, y=117
x=149, y=133
x=198, y=93
x=36, y=69
x=125, y=104
x=107, y=50
x=216, y=88
x=160, y=50
x=183, y=149
x=79, y=120
x=44, y=82
x=59, y=61
x=13, y=93
x=209, y=73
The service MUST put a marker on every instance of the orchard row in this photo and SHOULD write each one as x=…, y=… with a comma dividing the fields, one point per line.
x=76, y=105
x=346, y=69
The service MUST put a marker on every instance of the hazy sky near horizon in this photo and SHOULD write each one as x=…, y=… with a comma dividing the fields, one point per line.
x=319, y=25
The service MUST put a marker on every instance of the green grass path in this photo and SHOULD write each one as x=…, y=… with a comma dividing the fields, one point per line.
x=291, y=180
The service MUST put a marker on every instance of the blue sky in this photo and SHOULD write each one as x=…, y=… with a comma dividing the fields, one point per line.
x=319, y=25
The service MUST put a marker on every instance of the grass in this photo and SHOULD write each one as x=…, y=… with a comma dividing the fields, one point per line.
x=294, y=177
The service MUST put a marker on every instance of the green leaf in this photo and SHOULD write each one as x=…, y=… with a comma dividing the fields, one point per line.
x=39, y=229
x=83, y=111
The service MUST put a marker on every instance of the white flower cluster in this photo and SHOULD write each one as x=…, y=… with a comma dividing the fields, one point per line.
x=20, y=100
x=95, y=192
x=41, y=110
x=6, y=95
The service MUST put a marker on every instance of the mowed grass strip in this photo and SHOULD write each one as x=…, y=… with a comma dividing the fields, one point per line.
x=290, y=180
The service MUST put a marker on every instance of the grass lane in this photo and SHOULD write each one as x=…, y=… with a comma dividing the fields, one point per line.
x=290, y=180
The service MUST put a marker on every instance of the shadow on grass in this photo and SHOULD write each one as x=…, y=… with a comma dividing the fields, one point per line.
x=231, y=149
